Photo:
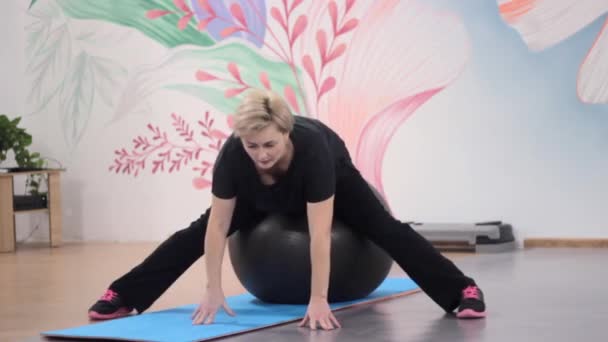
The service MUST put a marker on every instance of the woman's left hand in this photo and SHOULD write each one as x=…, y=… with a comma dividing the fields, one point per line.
x=319, y=311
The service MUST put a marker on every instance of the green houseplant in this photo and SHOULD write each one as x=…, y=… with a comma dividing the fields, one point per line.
x=14, y=138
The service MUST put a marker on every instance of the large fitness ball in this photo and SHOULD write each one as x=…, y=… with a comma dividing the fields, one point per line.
x=273, y=263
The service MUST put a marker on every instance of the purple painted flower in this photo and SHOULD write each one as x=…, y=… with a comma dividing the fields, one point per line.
x=223, y=18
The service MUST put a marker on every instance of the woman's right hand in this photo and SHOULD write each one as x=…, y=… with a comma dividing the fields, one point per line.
x=211, y=302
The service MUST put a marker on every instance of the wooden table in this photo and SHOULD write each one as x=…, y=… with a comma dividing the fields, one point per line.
x=7, y=211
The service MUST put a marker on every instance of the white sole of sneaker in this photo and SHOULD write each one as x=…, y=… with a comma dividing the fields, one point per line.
x=468, y=313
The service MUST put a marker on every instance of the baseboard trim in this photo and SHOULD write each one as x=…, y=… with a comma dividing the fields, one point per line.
x=565, y=242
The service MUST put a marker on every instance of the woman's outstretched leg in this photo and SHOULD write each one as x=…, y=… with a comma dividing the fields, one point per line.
x=357, y=206
x=144, y=284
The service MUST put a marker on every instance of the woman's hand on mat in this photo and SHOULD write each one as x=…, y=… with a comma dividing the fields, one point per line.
x=319, y=312
x=211, y=302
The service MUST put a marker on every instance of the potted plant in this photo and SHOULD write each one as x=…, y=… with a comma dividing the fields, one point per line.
x=14, y=138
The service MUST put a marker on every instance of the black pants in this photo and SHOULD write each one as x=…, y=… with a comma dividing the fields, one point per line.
x=355, y=205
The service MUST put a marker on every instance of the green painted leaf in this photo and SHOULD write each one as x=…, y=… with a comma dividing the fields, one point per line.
x=178, y=73
x=250, y=65
x=37, y=34
x=47, y=68
x=132, y=13
x=32, y=3
x=43, y=18
x=109, y=76
x=76, y=98
x=211, y=95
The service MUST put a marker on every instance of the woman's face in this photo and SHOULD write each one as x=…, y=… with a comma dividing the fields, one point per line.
x=266, y=147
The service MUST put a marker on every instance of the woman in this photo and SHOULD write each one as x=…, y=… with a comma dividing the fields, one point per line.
x=279, y=163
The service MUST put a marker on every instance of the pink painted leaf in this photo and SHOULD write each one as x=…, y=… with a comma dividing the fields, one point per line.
x=181, y=4
x=157, y=165
x=234, y=71
x=337, y=52
x=276, y=14
x=349, y=5
x=156, y=13
x=322, y=44
x=298, y=28
x=328, y=85
x=174, y=156
x=183, y=22
x=232, y=92
x=202, y=25
x=264, y=79
x=333, y=13
x=204, y=76
x=591, y=83
x=351, y=24
x=378, y=132
x=230, y=121
x=310, y=68
x=413, y=67
x=200, y=183
x=290, y=95
x=174, y=166
x=229, y=31
x=237, y=12
x=217, y=134
x=295, y=4
x=205, y=5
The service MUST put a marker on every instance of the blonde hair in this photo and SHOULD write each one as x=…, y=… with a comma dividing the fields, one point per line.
x=259, y=109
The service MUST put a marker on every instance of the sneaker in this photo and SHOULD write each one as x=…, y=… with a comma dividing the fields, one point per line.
x=109, y=306
x=471, y=304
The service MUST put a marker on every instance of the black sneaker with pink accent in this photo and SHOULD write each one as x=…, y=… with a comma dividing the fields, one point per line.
x=109, y=306
x=471, y=303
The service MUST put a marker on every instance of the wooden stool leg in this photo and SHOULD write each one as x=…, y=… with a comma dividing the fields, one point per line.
x=7, y=216
x=54, y=203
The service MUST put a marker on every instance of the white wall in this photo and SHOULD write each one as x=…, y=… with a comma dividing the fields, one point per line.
x=458, y=161
x=12, y=57
x=463, y=156
x=12, y=87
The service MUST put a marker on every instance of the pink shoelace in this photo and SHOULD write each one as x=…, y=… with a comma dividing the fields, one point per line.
x=471, y=292
x=109, y=295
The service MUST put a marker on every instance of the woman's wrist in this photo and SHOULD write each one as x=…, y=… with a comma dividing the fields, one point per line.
x=318, y=297
x=213, y=286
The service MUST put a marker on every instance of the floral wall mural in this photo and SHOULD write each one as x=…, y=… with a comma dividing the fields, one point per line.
x=322, y=56
x=545, y=23
x=455, y=110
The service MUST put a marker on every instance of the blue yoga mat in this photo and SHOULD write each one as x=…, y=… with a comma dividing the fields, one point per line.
x=251, y=314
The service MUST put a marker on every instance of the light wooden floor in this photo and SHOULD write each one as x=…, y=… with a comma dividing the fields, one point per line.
x=52, y=288
x=44, y=289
